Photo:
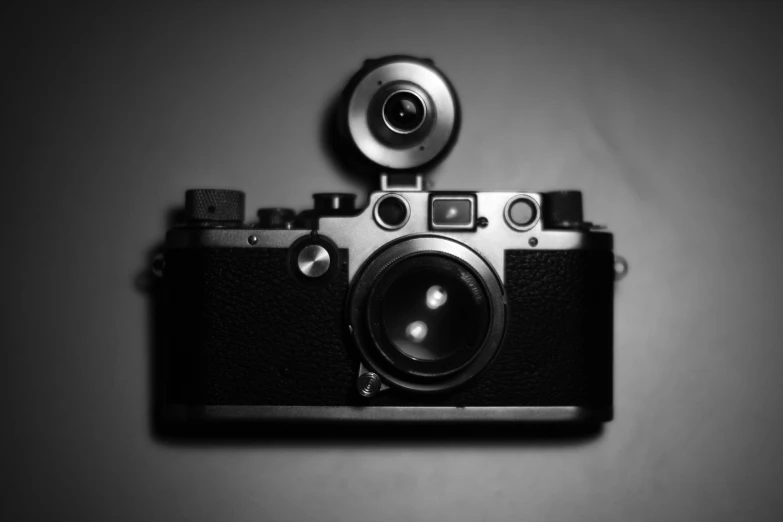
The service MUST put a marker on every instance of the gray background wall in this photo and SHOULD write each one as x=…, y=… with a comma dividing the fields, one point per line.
x=666, y=115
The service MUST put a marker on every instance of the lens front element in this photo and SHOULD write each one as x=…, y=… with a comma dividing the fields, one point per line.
x=427, y=313
x=431, y=308
x=404, y=112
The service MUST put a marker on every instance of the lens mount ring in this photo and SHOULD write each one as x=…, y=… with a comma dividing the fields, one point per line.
x=398, y=252
x=442, y=117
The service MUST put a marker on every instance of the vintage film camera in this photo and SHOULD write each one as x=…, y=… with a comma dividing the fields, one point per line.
x=438, y=306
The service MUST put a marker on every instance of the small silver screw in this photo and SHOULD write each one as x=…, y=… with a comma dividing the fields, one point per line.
x=252, y=240
x=532, y=241
x=368, y=384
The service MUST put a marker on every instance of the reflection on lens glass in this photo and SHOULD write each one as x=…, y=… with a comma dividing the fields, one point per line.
x=404, y=112
x=434, y=311
x=436, y=297
x=416, y=331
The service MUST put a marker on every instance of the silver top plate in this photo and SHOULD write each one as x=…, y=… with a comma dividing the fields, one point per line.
x=362, y=236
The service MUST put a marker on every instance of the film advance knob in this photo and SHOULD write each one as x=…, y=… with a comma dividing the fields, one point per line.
x=563, y=209
x=314, y=261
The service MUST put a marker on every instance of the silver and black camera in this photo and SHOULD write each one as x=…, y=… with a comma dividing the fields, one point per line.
x=422, y=306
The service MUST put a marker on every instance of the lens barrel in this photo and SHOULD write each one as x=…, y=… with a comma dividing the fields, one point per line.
x=427, y=314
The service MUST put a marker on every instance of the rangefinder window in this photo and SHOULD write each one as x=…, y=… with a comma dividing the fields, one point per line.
x=452, y=212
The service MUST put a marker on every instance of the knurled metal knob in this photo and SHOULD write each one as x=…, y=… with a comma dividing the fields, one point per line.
x=563, y=209
x=213, y=205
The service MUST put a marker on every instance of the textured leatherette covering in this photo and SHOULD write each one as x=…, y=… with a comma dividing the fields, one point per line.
x=246, y=332
x=243, y=331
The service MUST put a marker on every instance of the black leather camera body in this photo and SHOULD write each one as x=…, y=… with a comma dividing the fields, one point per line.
x=434, y=306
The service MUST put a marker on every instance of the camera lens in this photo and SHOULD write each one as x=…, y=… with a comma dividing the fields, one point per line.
x=404, y=112
x=427, y=313
x=430, y=314
x=431, y=308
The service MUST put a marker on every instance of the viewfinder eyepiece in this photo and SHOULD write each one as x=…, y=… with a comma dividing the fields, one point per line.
x=404, y=112
x=401, y=113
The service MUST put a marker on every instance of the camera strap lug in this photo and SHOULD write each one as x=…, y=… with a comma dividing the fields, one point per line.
x=620, y=267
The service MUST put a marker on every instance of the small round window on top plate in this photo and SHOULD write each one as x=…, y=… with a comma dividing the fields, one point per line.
x=391, y=211
x=521, y=213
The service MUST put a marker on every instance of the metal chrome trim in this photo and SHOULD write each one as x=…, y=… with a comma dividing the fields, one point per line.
x=507, y=213
x=473, y=211
x=420, y=414
x=313, y=261
x=376, y=214
x=362, y=237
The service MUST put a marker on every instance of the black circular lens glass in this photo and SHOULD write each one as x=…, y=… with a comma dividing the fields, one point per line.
x=404, y=112
x=392, y=212
x=433, y=308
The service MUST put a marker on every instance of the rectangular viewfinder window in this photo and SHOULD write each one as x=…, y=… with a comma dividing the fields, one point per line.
x=453, y=212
